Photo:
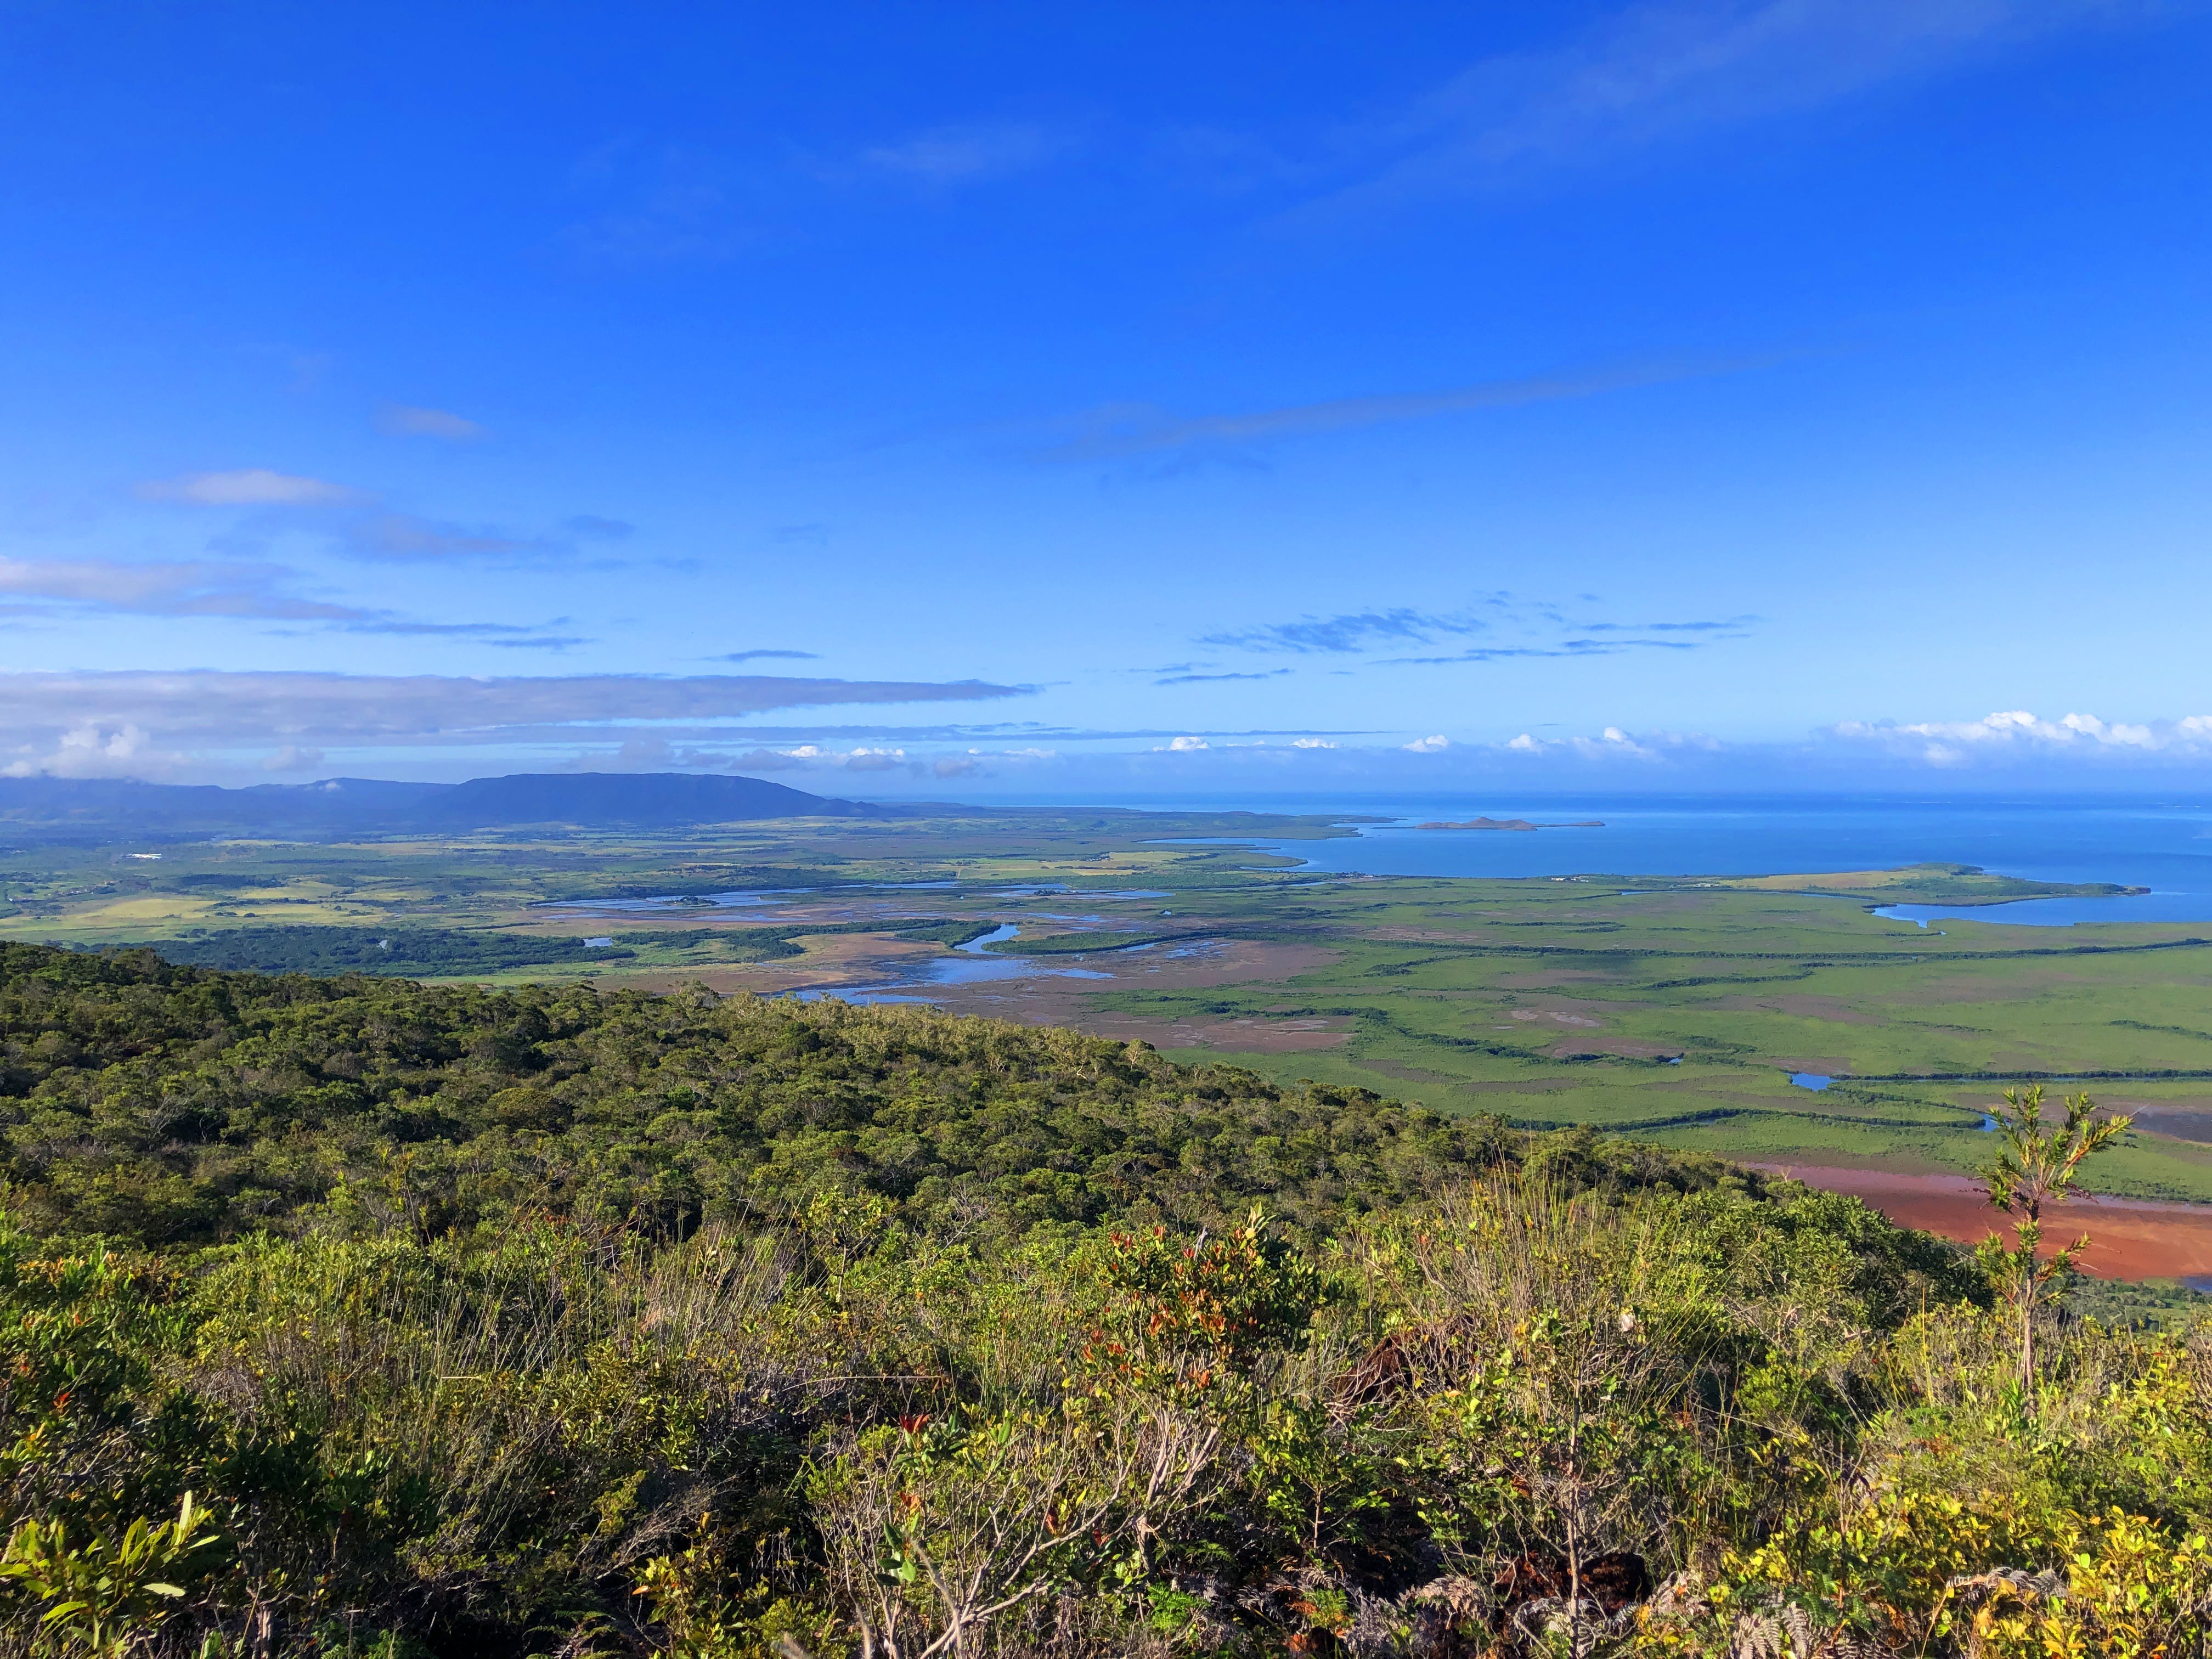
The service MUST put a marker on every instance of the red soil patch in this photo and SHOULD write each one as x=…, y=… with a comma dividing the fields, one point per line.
x=2128, y=1239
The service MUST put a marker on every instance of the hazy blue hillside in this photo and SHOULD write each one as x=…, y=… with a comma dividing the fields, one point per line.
x=56, y=808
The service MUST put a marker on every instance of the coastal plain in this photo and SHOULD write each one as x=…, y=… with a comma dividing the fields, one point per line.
x=1676, y=1010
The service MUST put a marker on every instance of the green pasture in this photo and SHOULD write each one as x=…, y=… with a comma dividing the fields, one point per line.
x=1546, y=1001
x=1564, y=1002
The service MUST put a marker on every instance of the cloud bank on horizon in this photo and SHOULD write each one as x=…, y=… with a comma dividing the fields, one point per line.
x=210, y=725
x=1668, y=393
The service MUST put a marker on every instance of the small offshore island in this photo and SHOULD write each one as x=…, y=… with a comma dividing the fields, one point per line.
x=1511, y=823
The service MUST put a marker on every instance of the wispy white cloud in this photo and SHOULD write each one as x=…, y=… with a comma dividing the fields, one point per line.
x=1666, y=72
x=242, y=590
x=408, y=420
x=2015, y=740
x=403, y=536
x=811, y=757
x=109, y=723
x=97, y=749
x=1557, y=634
x=1119, y=431
x=1723, y=625
x=252, y=486
x=656, y=204
x=825, y=758
x=967, y=154
x=2014, y=733
x=1614, y=743
x=1351, y=631
x=170, y=588
x=361, y=523
x=1607, y=647
x=1198, y=679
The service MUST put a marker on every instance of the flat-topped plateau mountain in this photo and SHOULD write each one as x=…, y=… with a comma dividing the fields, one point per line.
x=336, y=808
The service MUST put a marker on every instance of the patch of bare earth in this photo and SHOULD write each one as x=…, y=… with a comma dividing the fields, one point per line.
x=2128, y=1239
x=1039, y=998
x=1625, y=1047
x=830, y=960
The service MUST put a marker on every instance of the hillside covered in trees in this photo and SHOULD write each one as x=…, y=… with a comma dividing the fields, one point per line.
x=353, y=1315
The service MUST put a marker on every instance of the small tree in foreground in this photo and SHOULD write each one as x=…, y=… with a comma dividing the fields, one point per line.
x=2036, y=1166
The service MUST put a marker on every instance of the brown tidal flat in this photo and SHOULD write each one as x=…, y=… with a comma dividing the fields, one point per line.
x=830, y=960
x=1627, y=1047
x=2129, y=1238
x=1041, y=998
x=834, y=963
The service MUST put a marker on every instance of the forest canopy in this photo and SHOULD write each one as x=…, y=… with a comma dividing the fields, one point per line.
x=351, y=1315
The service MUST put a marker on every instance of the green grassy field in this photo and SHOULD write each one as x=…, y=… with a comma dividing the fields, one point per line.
x=1680, y=1016
x=1676, y=1012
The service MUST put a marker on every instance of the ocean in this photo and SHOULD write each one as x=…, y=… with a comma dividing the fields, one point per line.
x=2164, y=846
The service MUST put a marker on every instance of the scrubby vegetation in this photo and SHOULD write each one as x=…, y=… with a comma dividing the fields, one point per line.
x=308, y=949
x=773, y=943
x=352, y=1315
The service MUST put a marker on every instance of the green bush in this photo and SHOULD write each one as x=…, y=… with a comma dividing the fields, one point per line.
x=355, y=1316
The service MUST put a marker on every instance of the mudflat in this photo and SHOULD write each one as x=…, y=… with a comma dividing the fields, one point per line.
x=2128, y=1239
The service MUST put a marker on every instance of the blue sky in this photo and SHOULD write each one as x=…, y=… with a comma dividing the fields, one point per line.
x=993, y=400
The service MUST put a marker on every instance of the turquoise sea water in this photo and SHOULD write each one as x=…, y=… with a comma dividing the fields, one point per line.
x=2165, y=846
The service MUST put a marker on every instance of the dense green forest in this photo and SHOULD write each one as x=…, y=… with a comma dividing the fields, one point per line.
x=354, y=1315
x=397, y=951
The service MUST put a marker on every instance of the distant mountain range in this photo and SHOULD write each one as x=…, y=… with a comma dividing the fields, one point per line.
x=49, y=809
